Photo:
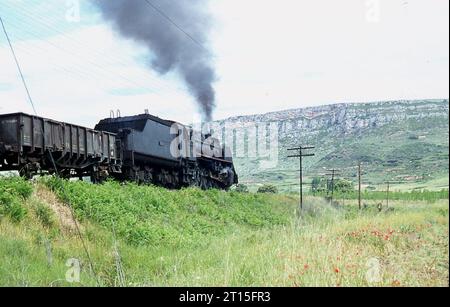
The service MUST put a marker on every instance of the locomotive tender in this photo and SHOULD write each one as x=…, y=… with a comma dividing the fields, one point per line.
x=143, y=148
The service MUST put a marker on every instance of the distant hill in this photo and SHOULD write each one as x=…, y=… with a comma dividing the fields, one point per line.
x=402, y=141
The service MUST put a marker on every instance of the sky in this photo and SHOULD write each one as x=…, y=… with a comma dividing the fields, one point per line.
x=269, y=55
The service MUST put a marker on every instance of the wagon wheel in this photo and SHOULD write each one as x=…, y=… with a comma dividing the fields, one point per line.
x=25, y=173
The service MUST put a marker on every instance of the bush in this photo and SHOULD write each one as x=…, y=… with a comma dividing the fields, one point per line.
x=268, y=188
x=343, y=186
x=16, y=186
x=11, y=206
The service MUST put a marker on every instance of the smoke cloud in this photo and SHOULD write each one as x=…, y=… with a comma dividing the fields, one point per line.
x=169, y=48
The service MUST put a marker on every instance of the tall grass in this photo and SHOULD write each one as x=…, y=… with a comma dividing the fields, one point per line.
x=422, y=195
x=215, y=238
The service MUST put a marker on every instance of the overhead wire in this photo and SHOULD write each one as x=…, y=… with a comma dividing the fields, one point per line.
x=49, y=152
x=157, y=83
x=173, y=23
x=18, y=66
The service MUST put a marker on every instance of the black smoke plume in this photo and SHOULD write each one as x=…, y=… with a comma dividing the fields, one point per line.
x=175, y=33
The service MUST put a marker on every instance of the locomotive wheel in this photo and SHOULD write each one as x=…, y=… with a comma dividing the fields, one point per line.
x=27, y=171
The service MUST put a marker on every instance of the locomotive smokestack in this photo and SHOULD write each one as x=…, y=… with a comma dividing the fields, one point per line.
x=175, y=34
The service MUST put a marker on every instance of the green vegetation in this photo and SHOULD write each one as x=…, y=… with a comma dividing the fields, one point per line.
x=412, y=152
x=321, y=186
x=215, y=238
x=155, y=216
x=13, y=192
x=268, y=188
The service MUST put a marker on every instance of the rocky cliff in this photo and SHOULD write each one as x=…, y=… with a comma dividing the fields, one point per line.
x=396, y=140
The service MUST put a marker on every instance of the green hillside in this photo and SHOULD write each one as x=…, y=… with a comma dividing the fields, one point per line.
x=403, y=142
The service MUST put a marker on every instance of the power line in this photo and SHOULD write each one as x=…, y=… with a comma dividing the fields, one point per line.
x=106, y=72
x=49, y=151
x=18, y=66
x=159, y=11
x=45, y=23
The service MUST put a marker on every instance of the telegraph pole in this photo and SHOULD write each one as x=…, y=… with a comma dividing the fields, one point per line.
x=300, y=155
x=333, y=173
x=387, y=196
x=359, y=185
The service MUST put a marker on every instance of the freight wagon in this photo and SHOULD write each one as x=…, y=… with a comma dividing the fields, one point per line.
x=30, y=144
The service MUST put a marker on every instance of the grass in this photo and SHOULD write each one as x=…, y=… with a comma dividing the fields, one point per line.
x=423, y=195
x=213, y=238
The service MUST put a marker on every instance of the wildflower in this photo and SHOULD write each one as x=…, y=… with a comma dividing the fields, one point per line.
x=336, y=270
x=306, y=266
x=396, y=283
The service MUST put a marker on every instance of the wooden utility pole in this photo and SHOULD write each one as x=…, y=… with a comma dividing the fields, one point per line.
x=359, y=185
x=387, y=196
x=300, y=155
x=333, y=173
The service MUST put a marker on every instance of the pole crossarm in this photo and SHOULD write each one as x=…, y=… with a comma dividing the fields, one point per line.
x=301, y=148
x=303, y=155
x=300, y=156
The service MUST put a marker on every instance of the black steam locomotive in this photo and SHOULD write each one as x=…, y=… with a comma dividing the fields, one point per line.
x=143, y=148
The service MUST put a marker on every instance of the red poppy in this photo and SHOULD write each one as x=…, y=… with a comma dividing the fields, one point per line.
x=336, y=270
x=396, y=283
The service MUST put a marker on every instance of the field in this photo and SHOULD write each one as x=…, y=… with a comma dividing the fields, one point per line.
x=148, y=236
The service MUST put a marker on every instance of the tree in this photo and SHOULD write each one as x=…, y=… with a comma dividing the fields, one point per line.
x=318, y=185
x=268, y=188
x=343, y=186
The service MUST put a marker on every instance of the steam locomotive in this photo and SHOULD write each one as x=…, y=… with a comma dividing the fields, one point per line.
x=142, y=148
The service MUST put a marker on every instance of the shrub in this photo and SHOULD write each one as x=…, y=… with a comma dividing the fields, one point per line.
x=11, y=206
x=16, y=186
x=13, y=191
x=343, y=186
x=268, y=188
